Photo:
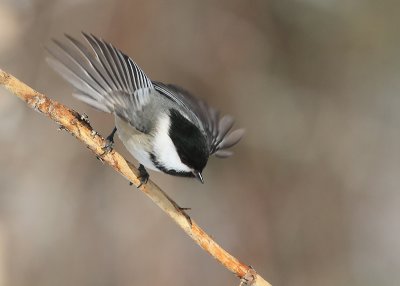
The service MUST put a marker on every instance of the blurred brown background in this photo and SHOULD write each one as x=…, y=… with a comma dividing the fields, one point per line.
x=311, y=196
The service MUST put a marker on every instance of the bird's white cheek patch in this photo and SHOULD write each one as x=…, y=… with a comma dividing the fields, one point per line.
x=164, y=148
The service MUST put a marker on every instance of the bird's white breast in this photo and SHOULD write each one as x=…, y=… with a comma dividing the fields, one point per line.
x=140, y=145
x=164, y=149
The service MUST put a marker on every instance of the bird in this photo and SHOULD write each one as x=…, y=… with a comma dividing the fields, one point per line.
x=162, y=125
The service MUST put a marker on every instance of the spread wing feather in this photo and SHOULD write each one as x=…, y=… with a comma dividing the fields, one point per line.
x=104, y=77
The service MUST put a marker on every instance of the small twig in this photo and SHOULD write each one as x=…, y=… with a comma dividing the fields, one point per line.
x=249, y=278
x=80, y=128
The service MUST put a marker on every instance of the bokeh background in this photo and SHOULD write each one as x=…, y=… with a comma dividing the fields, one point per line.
x=311, y=196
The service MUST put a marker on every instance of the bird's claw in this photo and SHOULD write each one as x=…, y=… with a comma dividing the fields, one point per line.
x=108, y=147
x=143, y=176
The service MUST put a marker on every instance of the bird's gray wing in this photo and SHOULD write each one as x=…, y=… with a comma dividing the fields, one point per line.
x=216, y=128
x=104, y=77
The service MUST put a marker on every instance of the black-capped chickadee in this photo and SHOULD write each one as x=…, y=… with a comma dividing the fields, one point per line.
x=163, y=126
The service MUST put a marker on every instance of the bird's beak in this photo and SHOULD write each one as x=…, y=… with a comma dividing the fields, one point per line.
x=198, y=176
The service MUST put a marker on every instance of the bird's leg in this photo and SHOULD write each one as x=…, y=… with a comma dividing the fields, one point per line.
x=109, y=142
x=143, y=175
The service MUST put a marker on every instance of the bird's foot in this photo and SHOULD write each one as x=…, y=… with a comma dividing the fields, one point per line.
x=108, y=146
x=143, y=175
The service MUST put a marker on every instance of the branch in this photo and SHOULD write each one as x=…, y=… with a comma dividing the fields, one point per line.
x=77, y=126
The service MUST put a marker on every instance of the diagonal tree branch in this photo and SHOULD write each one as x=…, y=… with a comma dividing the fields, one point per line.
x=77, y=126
